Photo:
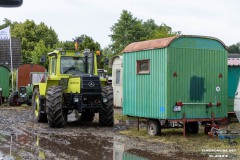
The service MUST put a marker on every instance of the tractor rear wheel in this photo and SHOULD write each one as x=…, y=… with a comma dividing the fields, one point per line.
x=12, y=100
x=87, y=116
x=56, y=116
x=106, y=117
x=36, y=106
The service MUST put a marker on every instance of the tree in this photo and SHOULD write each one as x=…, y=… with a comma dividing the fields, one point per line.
x=83, y=41
x=105, y=59
x=129, y=29
x=30, y=35
x=39, y=50
x=163, y=31
x=235, y=48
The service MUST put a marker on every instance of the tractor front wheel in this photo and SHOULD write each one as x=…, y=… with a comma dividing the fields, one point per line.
x=56, y=116
x=36, y=106
x=106, y=116
x=13, y=99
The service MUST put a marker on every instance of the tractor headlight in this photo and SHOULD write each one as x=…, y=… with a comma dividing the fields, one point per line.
x=76, y=100
x=0, y=89
x=105, y=99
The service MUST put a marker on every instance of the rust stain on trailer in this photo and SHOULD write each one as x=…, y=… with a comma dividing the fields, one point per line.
x=150, y=44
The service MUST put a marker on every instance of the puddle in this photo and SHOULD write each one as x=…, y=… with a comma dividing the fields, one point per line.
x=51, y=146
x=81, y=146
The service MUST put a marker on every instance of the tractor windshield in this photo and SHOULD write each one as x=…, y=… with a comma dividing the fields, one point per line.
x=72, y=65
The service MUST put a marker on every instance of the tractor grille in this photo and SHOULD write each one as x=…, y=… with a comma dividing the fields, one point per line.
x=90, y=84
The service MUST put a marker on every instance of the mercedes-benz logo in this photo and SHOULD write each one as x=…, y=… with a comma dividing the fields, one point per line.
x=91, y=84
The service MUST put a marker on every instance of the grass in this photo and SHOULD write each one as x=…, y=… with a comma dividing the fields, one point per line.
x=118, y=116
x=192, y=143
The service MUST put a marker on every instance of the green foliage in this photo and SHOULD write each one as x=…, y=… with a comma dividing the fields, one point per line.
x=66, y=45
x=163, y=31
x=39, y=39
x=129, y=29
x=39, y=50
x=84, y=42
x=106, y=55
x=87, y=42
x=235, y=48
x=31, y=35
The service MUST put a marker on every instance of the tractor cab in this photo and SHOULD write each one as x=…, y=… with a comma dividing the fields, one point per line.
x=72, y=84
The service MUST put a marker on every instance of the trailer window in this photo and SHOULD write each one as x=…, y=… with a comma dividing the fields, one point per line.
x=118, y=73
x=143, y=66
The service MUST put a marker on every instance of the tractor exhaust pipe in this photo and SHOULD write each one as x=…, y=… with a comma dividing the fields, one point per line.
x=92, y=67
x=86, y=54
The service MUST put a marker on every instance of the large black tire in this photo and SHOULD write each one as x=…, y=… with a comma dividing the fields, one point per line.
x=12, y=100
x=87, y=116
x=153, y=127
x=36, y=105
x=106, y=114
x=192, y=127
x=56, y=116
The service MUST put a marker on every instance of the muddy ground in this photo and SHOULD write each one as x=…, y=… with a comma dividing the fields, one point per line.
x=22, y=138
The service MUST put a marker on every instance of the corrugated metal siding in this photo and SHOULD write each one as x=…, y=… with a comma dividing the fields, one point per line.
x=200, y=65
x=197, y=78
x=145, y=95
x=23, y=73
x=230, y=104
x=233, y=77
x=4, y=80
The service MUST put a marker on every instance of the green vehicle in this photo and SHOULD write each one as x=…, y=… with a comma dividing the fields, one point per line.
x=104, y=77
x=4, y=84
x=73, y=84
x=24, y=94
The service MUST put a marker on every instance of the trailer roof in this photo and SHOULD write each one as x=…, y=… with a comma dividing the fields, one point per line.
x=160, y=43
x=2, y=66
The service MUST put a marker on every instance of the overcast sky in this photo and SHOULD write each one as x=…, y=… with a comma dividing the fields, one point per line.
x=71, y=18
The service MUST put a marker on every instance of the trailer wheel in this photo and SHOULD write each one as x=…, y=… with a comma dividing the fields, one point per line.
x=153, y=127
x=106, y=116
x=56, y=116
x=36, y=106
x=87, y=116
x=192, y=127
x=12, y=100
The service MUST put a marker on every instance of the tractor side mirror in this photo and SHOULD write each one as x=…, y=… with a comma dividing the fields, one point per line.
x=43, y=59
x=106, y=61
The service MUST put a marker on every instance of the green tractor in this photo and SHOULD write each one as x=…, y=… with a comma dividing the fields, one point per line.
x=24, y=95
x=73, y=84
